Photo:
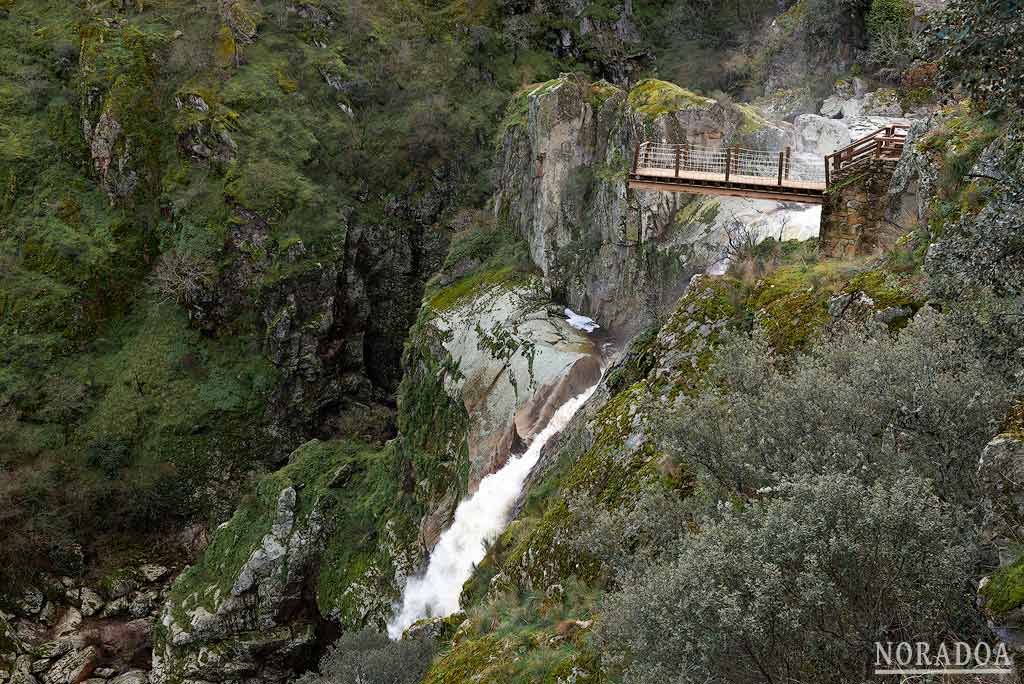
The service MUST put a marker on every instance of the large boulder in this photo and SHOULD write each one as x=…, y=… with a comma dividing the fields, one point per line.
x=519, y=360
x=819, y=135
x=73, y=667
x=1001, y=595
x=914, y=181
x=1001, y=476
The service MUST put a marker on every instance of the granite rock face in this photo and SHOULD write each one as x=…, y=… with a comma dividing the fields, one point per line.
x=285, y=575
x=1001, y=476
x=519, y=360
x=619, y=256
x=259, y=614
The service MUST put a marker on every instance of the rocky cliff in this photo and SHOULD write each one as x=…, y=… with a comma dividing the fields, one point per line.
x=565, y=152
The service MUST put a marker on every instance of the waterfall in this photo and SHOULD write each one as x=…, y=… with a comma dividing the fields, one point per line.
x=478, y=520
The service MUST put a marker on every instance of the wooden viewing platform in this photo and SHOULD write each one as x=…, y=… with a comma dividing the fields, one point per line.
x=758, y=174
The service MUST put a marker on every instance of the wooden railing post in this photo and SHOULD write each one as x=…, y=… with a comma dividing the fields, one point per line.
x=636, y=159
x=828, y=176
x=679, y=156
x=728, y=163
x=782, y=162
x=788, y=153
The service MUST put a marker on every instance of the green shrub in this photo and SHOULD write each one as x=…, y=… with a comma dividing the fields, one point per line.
x=368, y=657
x=862, y=401
x=796, y=587
x=889, y=30
x=979, y=50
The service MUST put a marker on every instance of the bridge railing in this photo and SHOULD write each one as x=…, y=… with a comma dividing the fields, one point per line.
x=885, y=143
x=732, y=163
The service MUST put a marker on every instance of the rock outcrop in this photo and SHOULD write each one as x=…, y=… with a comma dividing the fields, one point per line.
x=1001, y=595
x=618, y=256
x=63, y=631
x=318, y=549
x=516, y=356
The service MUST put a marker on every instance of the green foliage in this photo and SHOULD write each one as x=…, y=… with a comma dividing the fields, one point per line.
x=524, y=638
x=889, y=30
x=223, y=119
x=979, y=49
x=370, y=658
x=963, y=135
x=861, y=401
x=702, y=44
x=123, y=435
x=888, y=16
x=799, y=584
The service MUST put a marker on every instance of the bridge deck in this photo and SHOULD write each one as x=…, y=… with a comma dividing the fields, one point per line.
x=762, y=181
x=753, y=191
x=732, y=171
x=684, y=167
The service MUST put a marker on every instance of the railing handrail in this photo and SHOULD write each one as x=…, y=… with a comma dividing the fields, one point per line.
x=891, y=138
x=687, y=158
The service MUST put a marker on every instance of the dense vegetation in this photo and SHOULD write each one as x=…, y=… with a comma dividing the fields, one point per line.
x=217, y=222
x=172, y=173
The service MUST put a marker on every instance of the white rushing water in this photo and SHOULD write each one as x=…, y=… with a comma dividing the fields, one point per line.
x=587, y=325
x=478, y=519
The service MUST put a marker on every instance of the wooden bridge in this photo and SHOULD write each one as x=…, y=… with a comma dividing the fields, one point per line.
x=759, y=174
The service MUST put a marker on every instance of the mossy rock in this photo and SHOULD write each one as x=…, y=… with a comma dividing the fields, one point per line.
x=791, y=304
x=1005, y=589
x=653, y=98
x=525, y=639
x=887, y=290
x=360, y=504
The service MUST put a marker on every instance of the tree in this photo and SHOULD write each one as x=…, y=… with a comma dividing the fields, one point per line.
x=796, y=587
x=889, y=30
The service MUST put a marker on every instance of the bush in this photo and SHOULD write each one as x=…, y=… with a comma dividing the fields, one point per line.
x=368, y=657
x=862, y=402
x=889, y=30
x=633, y=536
x=182, y=278
x=796, y=588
